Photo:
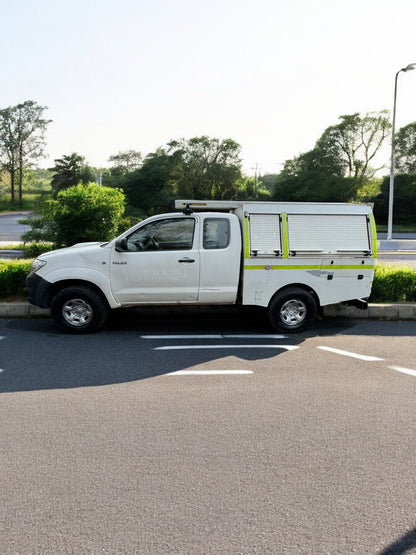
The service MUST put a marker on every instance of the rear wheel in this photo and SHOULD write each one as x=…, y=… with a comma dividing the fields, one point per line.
x=292, y=310
x=79, y=310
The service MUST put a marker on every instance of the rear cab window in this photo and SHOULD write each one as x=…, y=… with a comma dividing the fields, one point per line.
x=216, y=233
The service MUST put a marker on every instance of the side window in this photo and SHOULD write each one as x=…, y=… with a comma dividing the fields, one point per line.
x=163, y=235
x=216, y=233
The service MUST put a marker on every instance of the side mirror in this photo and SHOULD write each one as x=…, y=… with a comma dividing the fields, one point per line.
x=121, y=245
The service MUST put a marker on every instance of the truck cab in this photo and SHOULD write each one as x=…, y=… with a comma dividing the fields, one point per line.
x=174, y=258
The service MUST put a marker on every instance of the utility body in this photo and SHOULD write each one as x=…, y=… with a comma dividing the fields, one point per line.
x=290, y=258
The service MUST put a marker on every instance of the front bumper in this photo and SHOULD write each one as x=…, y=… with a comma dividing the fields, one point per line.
x=37, y=290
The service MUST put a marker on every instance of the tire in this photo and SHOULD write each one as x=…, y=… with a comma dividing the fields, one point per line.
x=79, y=310
x=292, y=310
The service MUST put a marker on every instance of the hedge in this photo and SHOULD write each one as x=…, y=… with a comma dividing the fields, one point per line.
x=30, y=250
x=391, y=284
x=13, y=277
x=394, y=285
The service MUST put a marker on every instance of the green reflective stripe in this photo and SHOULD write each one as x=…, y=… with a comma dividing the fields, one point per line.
x=285, y=236
x=246, y=239
x=374, y=232
x=312, y=267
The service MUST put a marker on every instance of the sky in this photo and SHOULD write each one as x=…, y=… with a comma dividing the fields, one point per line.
x=270, y=74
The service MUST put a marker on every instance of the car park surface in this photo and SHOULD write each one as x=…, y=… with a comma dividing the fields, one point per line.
x=212, y=435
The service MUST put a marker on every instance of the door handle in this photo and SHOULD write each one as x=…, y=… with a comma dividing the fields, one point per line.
x=186, y=260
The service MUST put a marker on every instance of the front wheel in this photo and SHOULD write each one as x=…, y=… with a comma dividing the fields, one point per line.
x=292, y=310
x=79, y=310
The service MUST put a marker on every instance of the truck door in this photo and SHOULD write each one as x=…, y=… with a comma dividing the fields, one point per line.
x=220, y=259
x=160, y=263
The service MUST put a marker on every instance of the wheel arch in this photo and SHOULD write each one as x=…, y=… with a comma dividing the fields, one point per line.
x=303, y=286
x=65, y=283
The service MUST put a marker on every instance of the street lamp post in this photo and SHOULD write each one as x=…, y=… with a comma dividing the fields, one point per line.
x=392, y=159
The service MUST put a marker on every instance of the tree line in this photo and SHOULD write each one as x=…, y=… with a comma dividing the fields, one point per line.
x=341, y=167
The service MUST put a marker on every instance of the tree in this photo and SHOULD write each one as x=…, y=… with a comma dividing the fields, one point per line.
x=200, y=167
x=22, y=139
x=356, y=141
x=70, y=170
x=315, y=176
x=339, y=164
x=125, y=161
x=251, y=188
x=405, y=149
x=208, y=168
x=124, y=164
x=150, y=187
x=404, y=200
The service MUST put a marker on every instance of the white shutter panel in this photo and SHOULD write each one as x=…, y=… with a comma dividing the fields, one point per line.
x=265, y=234
x=328, y=232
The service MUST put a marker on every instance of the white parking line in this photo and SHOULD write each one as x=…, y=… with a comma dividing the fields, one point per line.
x=403, y=370
x=254, y=336
x=209, y=372
x=2, y=337
x=216, y=336
x=185, y=347
x=349, y=354
x=181, y=336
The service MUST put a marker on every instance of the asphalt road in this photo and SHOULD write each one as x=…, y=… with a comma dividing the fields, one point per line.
x=10, y=228
x=170, y=435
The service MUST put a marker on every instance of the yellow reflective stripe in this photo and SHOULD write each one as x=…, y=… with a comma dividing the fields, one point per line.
x=282, y=267
x=312, y=267
x=285, y=236
x=374, y=232
x=349, y=267
x=246, y=239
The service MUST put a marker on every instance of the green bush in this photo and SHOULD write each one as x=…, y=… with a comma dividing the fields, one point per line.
x=13, y=278
x=393, y=285
x=78, y=214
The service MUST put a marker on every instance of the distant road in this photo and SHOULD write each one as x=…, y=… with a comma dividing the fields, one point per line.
x=10, y=229
x=382, y=236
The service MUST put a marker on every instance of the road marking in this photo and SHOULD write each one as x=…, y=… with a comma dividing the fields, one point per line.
x=348, y=354
x=184, y=347
x=254, y=336
x=209, y=372
x=196, y=336
x=215, y=336
x=403, y=370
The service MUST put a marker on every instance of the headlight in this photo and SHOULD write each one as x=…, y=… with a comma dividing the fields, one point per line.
x=37, y=264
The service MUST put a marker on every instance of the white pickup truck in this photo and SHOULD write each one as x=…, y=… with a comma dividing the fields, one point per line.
x=290, y=258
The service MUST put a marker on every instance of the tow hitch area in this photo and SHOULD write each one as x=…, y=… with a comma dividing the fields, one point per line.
x=362, y=304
